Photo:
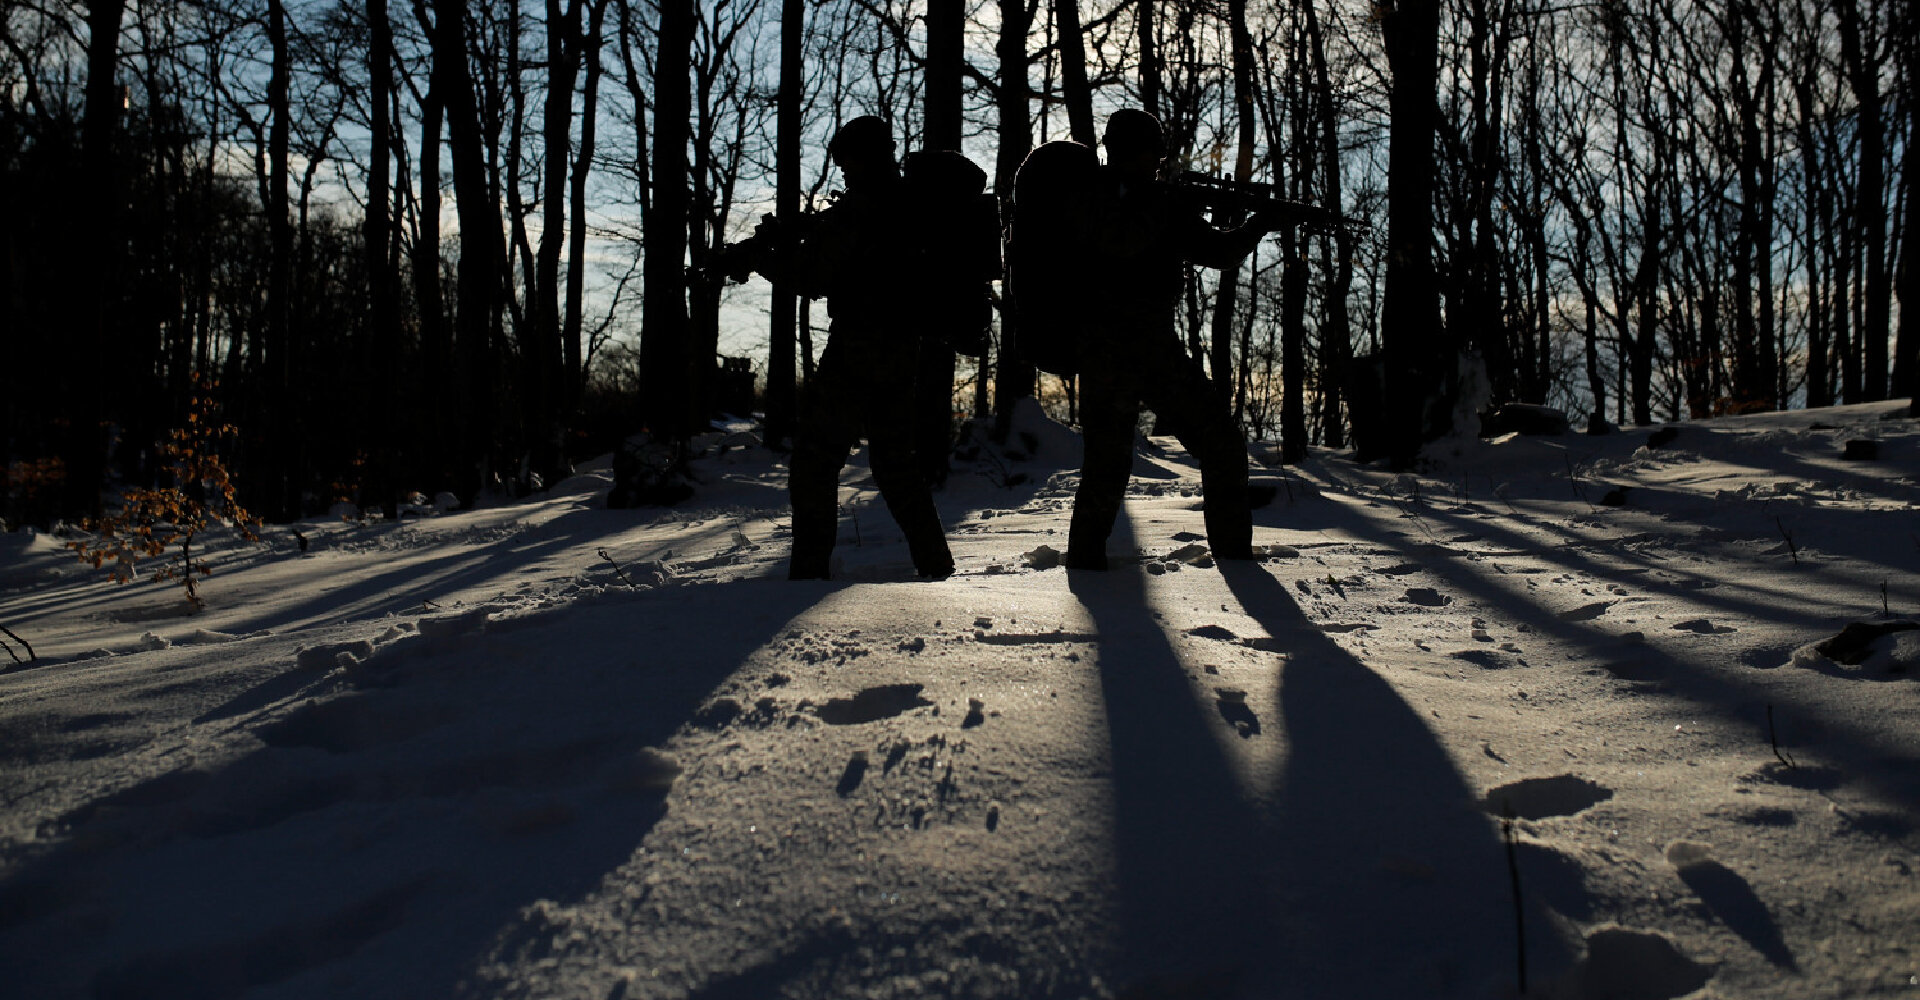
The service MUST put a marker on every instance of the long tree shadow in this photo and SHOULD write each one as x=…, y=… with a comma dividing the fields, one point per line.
x=1194, y=910
x=1399, y=883
x=378, y=843
x=1889, y=769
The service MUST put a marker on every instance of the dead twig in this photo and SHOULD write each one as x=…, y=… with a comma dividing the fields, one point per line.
x=1407, y=509
x=23, y=643
x=1519, y=909
x=1579, y=486
x=1774, y=739
x=617, y=571
x=1792, y=549
x=1501, y=494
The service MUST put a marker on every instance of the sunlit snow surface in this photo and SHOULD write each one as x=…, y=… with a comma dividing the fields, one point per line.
x=472, y=755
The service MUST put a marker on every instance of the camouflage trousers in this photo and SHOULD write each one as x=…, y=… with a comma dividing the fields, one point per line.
x=1144, y=364
x=863, y=385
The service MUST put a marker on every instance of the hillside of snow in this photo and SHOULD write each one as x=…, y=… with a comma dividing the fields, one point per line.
x=1574, y=689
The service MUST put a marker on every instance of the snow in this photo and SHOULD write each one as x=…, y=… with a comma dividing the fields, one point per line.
x=546, y=749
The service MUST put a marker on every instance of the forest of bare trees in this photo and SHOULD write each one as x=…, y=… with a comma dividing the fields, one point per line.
x=446, y=244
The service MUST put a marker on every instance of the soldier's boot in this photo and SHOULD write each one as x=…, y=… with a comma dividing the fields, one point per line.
x=1096, y=504
x=1223, y=485
x=1084, y=549
x=814, y=486
x=931, y=557
x=1229, y=532
x=910, y=501
x=812, y=557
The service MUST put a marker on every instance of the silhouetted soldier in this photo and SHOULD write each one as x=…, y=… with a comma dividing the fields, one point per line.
x=1143, y=239
x=861, y=254
x=957, y=226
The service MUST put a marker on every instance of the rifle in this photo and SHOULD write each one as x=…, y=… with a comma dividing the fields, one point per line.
x=771, y=238
x=1255, y=197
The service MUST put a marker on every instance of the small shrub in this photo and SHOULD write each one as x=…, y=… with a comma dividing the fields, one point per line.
x=147, y=523
x=30, y=491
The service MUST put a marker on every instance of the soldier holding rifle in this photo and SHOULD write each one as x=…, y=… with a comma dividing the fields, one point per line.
x=1145, y=235
x=862, y=255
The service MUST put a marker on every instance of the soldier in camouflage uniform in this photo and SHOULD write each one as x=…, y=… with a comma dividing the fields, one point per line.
x=1143, y=240
x=860, y=255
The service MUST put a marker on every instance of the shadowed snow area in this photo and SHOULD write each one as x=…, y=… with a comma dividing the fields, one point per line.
x=545, y=749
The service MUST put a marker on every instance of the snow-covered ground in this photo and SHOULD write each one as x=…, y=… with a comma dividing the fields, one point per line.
x=553, y=750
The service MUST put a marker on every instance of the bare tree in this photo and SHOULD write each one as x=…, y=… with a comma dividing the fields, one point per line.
x=1416, y=349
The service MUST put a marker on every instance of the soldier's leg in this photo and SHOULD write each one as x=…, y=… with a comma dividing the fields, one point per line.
x=1200, y=417
x=933, y=412
x=828, y=425
x=1109, y=409
x=891, y=405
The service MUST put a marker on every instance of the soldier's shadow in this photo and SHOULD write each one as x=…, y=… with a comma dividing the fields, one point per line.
x=1193, y=909
x=1367, y=870
x=1396, y=883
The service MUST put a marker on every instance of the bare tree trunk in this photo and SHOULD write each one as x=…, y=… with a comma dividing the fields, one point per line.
x=1870, y=209
x=1246, y=116
x=282, y=359
x=665, y=366
x=542, y=356
x=1015, y=376
x=1150, y=72
x=1646, y=280
x=1477, y=259
x=482, y=255
x=1417, y=353
x=933, y=376
x=1073, y=71
x=1336, y=256
x=574, y=374
x=1908, y=380
x=383, y=313
x=781, y=402
x=102, y=212
x=946, y=24
x=1818, y=226
x=1753, y=375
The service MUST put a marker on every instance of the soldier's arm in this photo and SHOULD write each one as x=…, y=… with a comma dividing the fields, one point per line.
x=1201, y=244
x=807, y=265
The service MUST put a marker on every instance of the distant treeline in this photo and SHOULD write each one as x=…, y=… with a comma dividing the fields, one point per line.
x=385, y=228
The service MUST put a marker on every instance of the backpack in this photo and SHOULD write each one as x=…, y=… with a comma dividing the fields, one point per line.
x=1049, y=275
x=957, y=243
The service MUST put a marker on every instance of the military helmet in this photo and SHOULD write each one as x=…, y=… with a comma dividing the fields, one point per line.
x=1132, y=128
x=865, y=134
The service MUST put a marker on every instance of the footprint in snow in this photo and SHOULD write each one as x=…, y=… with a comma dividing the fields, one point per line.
x=1218, y=632
x=1487, y=659
x=1766, y=816
x=1806, y=777
x=1702, y=626
x=855, y=771
x=1232, y=703
x=1641, y=964
x=873, y=704
x=1586, y=612
x=1539, y=798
